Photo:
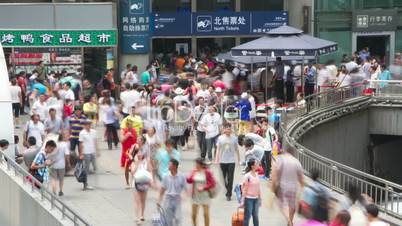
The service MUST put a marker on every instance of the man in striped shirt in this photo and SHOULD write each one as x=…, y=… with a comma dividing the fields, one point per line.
x=77, y=121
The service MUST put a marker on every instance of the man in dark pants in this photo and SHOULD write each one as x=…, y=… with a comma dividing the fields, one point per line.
x=278, y=78
x=270, y=138
x=226, y=149
x=290, y=86
x=199, y=112
x=309, y=85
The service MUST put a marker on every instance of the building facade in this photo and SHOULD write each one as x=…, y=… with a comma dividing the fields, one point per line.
x=192, y=26
x=64, y=35
x=356, y=24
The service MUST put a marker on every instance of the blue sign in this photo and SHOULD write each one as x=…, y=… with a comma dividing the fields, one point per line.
x=263, y=22
x=135, y=26
x=172, y=24
x=222, y=23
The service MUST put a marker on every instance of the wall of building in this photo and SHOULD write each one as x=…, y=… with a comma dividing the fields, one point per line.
x=20, y=207
x=295, y=8
x=386, y=121
x=343, y=140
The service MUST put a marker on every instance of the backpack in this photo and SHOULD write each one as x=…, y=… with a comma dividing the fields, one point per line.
x=320, y=209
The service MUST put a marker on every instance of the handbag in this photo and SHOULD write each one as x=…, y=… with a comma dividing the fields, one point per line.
x=80, y=173
x=142, y=175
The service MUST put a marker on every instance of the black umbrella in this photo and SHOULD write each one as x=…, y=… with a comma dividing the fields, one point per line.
x=285, y=41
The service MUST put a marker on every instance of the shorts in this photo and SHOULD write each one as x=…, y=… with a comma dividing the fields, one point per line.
x=16, y=109
x=141, y=187
x=57, y=174
x=287, y=198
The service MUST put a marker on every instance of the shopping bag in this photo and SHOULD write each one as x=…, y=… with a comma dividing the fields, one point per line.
x=159, y=218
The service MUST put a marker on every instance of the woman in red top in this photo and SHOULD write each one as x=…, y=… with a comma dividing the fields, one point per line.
x=129, y=138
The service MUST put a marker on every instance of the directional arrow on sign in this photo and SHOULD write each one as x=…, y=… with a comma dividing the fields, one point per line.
x=136, y=46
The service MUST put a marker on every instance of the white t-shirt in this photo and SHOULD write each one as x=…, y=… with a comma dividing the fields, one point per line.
x=67, y=95
x=40, y=109
x=88, y=140
x=129, y=99
x=15, y=92
x=212, y=123
x=58, y=157
x=35, y=130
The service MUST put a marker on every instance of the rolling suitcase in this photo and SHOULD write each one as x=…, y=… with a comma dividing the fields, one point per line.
x=238, y=217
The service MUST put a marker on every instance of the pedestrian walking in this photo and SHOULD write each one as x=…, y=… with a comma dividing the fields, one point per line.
x=163, y=157
x=111, y=123
x=34, y=128
x=142, y=179
x=226, y=153
x=88, y=149
x=59, y=162
x=211, y=124
x=203, y=182
x=251, y=190
x=128, y=139
x=287, y=177
x=244, y=108
x=173, y=185
x=199, y=112
x=40, y=165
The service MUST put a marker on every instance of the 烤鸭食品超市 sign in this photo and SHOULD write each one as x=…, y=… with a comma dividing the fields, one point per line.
x=58, y=38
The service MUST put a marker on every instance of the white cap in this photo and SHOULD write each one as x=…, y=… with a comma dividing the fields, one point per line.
x=179, y=91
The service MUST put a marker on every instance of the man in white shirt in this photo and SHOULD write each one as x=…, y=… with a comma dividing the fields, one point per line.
x=40, y=108
x=204, y=92
x=16, y=100
x=88, y=148
x=34, y=128
x=372, y=215
x=128, y=98
x=211, y=124
x=124, y=72
x=199, y=112
x=66, y=93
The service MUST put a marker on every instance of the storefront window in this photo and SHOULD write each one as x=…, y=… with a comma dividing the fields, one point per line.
x=171, y=6
x=333, y=5
x=261, y=5
x=216, y=5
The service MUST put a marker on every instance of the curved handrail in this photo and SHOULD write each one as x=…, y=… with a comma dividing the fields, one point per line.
x=386, y=194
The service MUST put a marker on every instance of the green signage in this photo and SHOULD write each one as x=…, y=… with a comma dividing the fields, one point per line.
x=58, y=38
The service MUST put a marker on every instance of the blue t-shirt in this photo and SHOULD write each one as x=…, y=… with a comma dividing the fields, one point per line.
x=40, y=87
x=244, y=107
x=163, y=158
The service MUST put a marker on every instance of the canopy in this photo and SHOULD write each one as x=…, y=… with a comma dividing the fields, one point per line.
x=285, y=41
x=223, y=57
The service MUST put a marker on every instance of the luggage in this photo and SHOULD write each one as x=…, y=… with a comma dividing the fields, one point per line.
x=238, y=217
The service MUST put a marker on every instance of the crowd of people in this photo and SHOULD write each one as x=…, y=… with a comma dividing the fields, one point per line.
x=153, y=121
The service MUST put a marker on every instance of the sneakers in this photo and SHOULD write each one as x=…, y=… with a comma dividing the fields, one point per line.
x=61, y=193
x=86, y=188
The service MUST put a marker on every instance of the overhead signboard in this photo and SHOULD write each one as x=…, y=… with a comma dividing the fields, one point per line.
x=262, y=22
x=375, y=20
x=222, y=23
x=172, y=24
x=135, y=26
x=58, y=38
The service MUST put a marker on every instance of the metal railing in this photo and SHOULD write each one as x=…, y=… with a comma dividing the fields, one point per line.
x=385, y=194
x=45, y=195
